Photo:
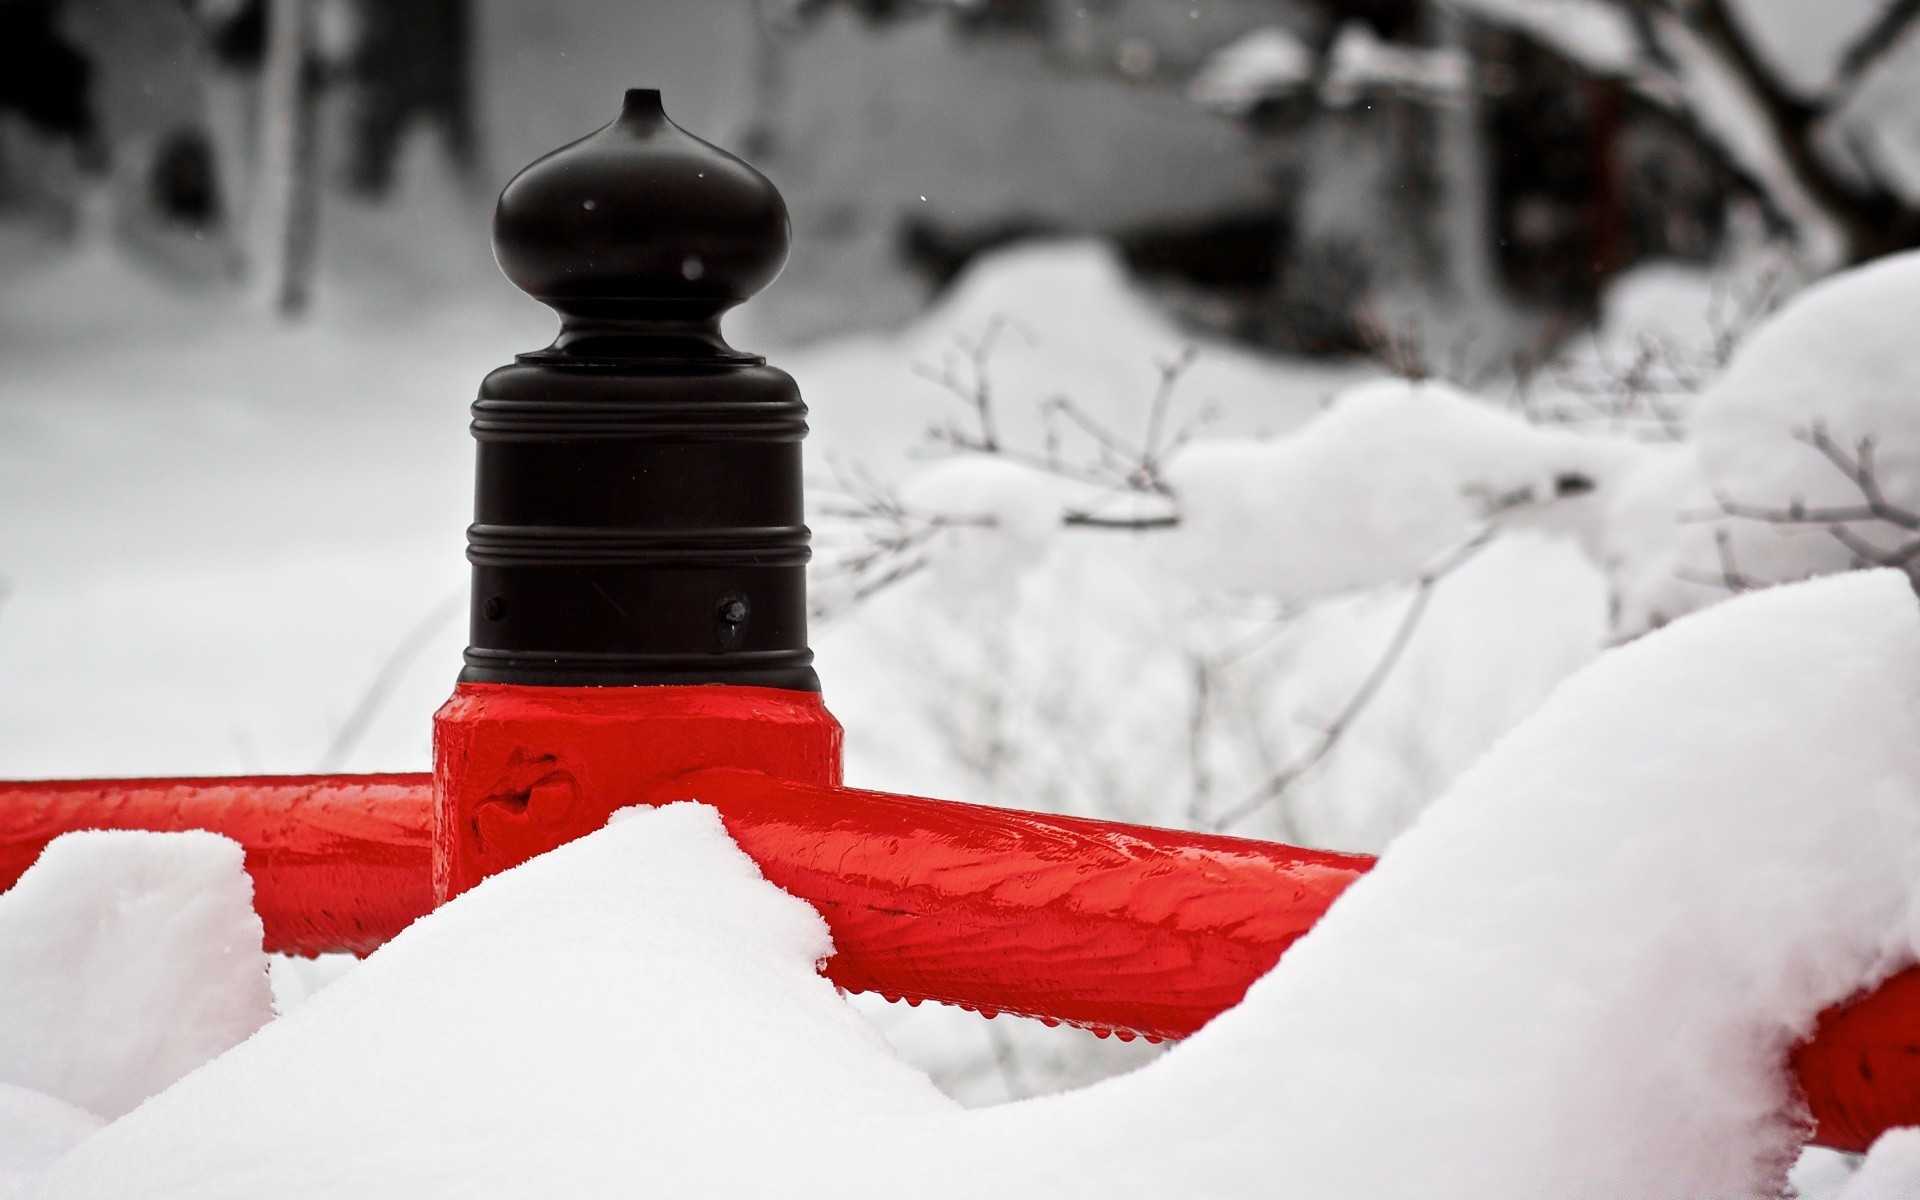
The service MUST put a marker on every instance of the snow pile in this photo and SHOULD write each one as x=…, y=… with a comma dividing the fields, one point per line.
x=1393, y=475
x=1107, y=682
x=637, y=1009
x=36, y=1129
x=1578, y=975
x=126, y=960
x=1891, y=1170
x=1064, y=321
x=1838, y=361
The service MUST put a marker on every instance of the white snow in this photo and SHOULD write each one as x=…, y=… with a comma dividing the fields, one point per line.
x=1872, y=132
x=1360, y=61
x=127, y=959
x=1266, y=62
x=996, y=518
x=1593, y=33
x=1577, y=975
x=1839, y=358
x=1391, y=476
x=1891, y=1170
x=36, y=1129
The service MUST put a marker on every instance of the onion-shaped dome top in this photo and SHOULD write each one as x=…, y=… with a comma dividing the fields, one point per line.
x=641, y=235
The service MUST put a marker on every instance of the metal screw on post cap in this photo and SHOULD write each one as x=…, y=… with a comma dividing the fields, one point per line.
x=638, y=486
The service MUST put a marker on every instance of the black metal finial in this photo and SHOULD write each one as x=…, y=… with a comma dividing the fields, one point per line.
x=638, y=499
x=641, y=231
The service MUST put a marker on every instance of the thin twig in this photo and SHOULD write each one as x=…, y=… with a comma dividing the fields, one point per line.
x=1836, y=520
x=1007, y=1062
x=1731, y=577
x=1369, y=687
x=1199, y=776
x=381, y=686
x=1085, y=520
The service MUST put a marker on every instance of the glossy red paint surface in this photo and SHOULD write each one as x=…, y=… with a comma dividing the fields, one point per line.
x=519, y=770
x=339, y=863
x=1108, y=926
x=1860, y=1071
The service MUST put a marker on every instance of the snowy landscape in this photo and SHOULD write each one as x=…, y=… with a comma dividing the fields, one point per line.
x=1592, y=614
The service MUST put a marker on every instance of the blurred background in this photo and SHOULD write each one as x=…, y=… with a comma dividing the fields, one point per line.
x=1289, y=173
x=246, y=294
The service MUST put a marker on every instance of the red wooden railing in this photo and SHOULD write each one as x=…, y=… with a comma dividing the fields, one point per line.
x=1117, y=928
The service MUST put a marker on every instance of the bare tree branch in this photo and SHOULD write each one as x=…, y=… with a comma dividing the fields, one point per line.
x=1871, y=46
x=1731, y=577
x=1382, y=669
x=1086, y=520
x=1836, y=520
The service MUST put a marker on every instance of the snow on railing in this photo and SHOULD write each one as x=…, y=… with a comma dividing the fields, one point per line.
x=639, y=637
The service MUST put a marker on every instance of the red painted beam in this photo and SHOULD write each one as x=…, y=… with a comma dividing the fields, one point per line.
x=339, y=862
x=1110, y=926
x=1107, y=926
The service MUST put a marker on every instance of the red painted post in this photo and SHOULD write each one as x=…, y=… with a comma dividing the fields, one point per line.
x=520, y=770
x=639, y=548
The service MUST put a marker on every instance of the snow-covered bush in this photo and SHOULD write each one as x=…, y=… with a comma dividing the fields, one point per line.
x=1802, y=457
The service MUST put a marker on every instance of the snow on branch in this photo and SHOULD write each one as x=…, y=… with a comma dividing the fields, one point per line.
x=1360, y=61
x=1085, y=474
x=1857, y=465
x=1265, y=63
x=1666, y=54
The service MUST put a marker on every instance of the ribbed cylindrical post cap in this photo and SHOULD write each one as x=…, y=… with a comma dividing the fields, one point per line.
x=641, y=221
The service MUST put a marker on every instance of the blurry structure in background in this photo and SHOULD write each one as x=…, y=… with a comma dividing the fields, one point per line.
x=202, y=135
x=1317, y=175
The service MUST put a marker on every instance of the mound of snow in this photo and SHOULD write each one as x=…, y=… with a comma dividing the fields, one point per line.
x=1577, y=975
x=1064, y=321
x=127, y=959
x=36, y=1129
x=1841, y=359
x=549, y=1034
x=1392, y=475
x=1891, y=1170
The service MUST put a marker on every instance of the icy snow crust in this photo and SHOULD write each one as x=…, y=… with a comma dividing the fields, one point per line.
x=1576, y=976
